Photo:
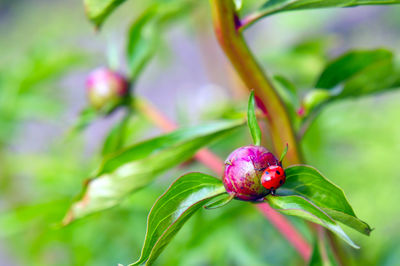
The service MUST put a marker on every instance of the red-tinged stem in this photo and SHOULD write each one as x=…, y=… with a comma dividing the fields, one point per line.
x=212, y=161
x=287, y=230
x=204, y=156
x=226, y=26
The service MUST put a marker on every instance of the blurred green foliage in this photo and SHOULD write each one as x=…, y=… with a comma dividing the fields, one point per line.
x=44, y=59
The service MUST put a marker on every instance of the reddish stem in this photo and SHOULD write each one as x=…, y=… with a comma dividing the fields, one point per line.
x=212, y=161
x=204, y=156
x=287, y=230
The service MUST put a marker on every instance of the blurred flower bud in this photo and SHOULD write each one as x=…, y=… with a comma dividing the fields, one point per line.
x=106, y=89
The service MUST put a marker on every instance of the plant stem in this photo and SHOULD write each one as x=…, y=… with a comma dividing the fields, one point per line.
x=212, y=161
x=226, y=25
x=287, y=229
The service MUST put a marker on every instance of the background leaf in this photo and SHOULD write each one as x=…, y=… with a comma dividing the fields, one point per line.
x=322, y=254
x=98, y=10
x=275, y=6
x=252, y=121
x=86, y=116
x=307, y=182
x=303, y=208
x=353, y=74
x=116, y=137
x=169, y=213
x=349, y=64
x=136, y=166
x=144, y=33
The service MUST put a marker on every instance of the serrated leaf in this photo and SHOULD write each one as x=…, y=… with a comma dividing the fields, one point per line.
x=136, y=166
x=98, y=10
x=276, y=6
x=303, y=208
x=307, y=182
x=170, y=212
x=144, y=33
x=254, y=128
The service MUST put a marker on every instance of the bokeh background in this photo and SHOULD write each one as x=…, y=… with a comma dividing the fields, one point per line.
x=47, y=47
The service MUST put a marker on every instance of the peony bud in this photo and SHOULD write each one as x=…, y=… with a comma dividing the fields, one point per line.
x=243, y=170
x=106, y=89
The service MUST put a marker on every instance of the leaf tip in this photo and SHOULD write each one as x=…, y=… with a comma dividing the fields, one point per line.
x=284, y=152
x=68, y=218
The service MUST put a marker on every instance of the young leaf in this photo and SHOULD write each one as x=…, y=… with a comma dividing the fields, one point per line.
x=136, y=166
x=144, y=33
x=307, y=182
x=275, y=6
x=303, y=208
x=284, y=153
x=170, y=212
x=252, y=121
x=98, y=10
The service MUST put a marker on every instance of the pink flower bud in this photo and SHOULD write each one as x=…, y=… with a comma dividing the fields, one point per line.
x=106, y=89
x=243, y=170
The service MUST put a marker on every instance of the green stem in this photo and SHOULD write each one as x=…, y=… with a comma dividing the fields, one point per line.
x=236, y=49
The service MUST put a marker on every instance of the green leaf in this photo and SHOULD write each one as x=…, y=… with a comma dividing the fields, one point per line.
x=350, y=64
x=86, y=116
x=144, y=33
x=288, y=92
x=354, y=74
x=316, y=258
x=322, y=251
x=116, y=137
x=98, y=10
x=252, y=121
x=285, y=150
x=307, y=182
x=303, y=208
x=224, y=200
x=276, y=6
x=136, y=166
x=170, y=212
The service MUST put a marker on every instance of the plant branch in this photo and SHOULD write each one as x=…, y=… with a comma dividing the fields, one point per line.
x=212, y=161
x=226, y=26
